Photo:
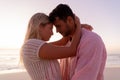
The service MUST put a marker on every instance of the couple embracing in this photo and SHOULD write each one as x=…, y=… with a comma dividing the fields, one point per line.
x=81, y=52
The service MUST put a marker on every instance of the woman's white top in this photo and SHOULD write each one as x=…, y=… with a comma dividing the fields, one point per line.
x=38, y=68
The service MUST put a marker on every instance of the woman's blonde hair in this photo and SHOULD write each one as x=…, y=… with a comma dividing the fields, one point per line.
x=37, y=20
x=33, y=26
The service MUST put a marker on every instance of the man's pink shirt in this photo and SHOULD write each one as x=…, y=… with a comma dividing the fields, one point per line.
x=89, y=62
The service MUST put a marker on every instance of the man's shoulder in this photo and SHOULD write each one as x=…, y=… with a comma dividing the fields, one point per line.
x=89, y=37
x=89, y=34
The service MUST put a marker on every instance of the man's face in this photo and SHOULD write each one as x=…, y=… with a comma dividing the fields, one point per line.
x=63, y=27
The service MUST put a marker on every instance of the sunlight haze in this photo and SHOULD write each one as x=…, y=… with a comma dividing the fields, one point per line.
x=103, y=15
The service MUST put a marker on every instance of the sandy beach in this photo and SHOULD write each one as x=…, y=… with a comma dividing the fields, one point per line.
x=15, y=76
x=111, y=73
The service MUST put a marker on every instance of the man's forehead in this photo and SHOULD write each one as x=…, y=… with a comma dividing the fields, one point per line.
x=57, y=20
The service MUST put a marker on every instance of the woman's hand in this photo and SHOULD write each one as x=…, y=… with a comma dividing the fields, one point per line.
x=87, y=26
x=78, y=27
x=77, y=22
x=77, y=35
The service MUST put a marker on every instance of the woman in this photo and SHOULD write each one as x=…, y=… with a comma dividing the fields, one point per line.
x=39, y=57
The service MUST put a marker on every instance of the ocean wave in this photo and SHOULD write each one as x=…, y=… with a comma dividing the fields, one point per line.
x=10, y=60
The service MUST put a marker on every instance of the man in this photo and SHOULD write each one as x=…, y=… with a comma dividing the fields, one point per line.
x=90, y=59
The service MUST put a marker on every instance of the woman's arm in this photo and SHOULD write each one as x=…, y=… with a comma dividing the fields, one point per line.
x=64, y=40
x=87, y=26
x=49, y=51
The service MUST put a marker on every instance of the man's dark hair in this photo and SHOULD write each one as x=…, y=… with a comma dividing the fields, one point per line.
x=62, y=11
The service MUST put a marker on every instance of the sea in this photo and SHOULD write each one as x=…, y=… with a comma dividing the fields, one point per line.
x=10, y=60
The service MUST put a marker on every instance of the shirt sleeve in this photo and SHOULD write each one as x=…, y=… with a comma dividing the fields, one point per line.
x=89, y=60
x=31, y=49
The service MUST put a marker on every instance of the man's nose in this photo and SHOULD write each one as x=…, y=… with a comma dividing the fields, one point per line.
x=51, y=32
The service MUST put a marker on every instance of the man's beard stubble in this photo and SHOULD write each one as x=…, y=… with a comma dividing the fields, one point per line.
x=68, y=32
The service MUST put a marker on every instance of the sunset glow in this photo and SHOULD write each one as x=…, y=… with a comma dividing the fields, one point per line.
x=102, y=15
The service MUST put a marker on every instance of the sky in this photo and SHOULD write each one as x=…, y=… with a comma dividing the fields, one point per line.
x=103, y=15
